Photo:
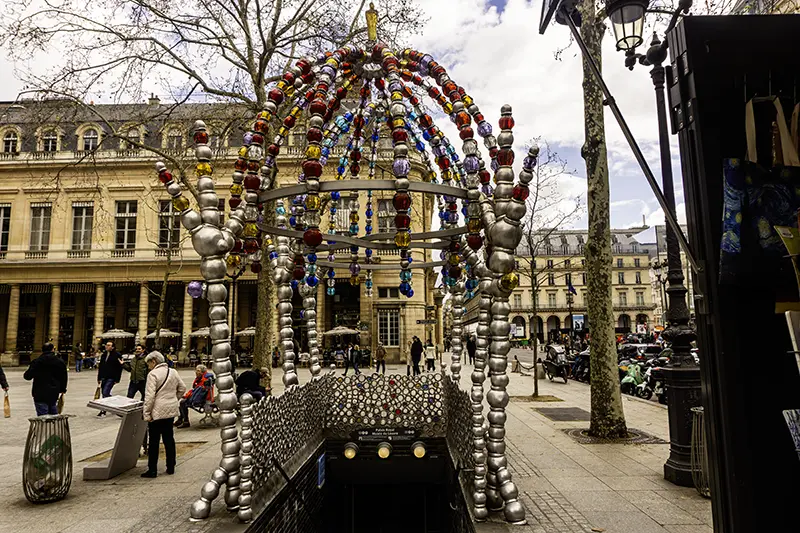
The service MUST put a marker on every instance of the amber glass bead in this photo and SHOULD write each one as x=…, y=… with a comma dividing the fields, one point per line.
x=233, y=260
x=509, y=281
x=203, y=169
x=425, y=121
x=200, y=137
x=313, y=152
x=401, y=201
x=474, y=225
x=312, y=202
x=462, y=119
x=432, y=175
x=399, y=135
x=240, y=165
x=398, y=123
x=236, y=189
x=261, y=126
x=253, y=166
x=250, y=246
x=402, y=239
x=355, y=281
x=250, y=230
x=354, y=218
x=180, y=203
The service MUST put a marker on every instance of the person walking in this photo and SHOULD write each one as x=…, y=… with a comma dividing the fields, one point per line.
x=416, y=355
x=471, y=346
x=351, y=358
x=430, y=357
x=380, y=357
x=3, y=380
x=138, y=369
x=109, y=371
x=78, y=357
x=408, y=357
x=164, y=388
x=49, y=375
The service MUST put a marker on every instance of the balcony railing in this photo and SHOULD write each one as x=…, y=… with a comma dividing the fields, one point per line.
x=123, y=253
x=78, y=254
x=36, y=254
x=8, y=155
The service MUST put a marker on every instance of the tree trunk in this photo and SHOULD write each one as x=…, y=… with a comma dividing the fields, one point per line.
x=607, y=416
x=264, y=340
x=162, y=303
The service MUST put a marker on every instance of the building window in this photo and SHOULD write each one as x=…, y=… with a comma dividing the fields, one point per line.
x=388, y=292
x=567, y=263
x=82, y=220
x=548, y=249
x=517, y=300
x=621, y=278
x=389, y=327
x=536, y=297
x=40, y=227
x=549, y=263
x=635, y=247
x=5, y=226
x=169, y=225
x=551, y=299
x=134, y=136
x=174, y=140
x=567, y=279
x=637, y=262
x=551, y=279
x=214, y=141
x=565, y=249
x=126, y=225
x=342, y=221
x=386, y=213
x=90, y=139
x=639, y=298
x=620, y=264
x=50, y=141
x=10, y=142
x=638, y=277
x=623, y=298
x=583, y=278
x=581, y=248
x=583, y=297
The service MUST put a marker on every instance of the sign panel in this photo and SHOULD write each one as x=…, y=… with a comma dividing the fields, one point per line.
x=321, y=471
x=578, y=322
x=385, y=434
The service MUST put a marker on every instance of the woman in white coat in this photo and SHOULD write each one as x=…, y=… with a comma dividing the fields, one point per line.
x=164, y=389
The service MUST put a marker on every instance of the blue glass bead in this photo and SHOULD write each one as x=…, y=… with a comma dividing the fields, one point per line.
x=292, y=221
x=420, y=146
x=375, y=137
x=346, y=128
x=410, y=293
x=452, y=217
x=412, y=115
x=354, y=249
x=331, y=274
x=368, y=228
x=340, y=169
x=312, y=281
x=335, y=195
x=311, y=269
x=348, y=116
x=369, y=212
x=312, y=258
x=331, y=291
x=410, y=259
x=294, y=284
x=368, y=284
x=450, y=281
x=426, y=135
x=405, y=287
x=350, y=145
x=368, y=252
x=495, y=165
x=302, y=313
x=353, y=229
x=405, y=275
x=333, y=210
x=464, y=210
x=442, y=215
x=472, y=164
x=273, y=256
x=400, y=167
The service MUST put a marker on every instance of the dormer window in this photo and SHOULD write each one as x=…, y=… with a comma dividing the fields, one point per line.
x=90, y=140
x=50, y=141
x=11, y=142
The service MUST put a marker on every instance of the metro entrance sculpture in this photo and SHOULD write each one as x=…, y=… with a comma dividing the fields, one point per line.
x=476, y=258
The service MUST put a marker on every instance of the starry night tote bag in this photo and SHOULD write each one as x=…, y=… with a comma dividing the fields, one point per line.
x=756, y=199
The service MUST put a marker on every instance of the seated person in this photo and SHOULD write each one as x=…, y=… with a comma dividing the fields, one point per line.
x=250, y=381
x=202, y=391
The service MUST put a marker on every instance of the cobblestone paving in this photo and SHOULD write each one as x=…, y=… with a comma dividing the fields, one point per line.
x=550, y=512
x=518, y=462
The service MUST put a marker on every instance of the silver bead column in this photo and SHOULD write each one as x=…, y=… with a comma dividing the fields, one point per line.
x=245, y=513
x=455, y=340
x=309, y=295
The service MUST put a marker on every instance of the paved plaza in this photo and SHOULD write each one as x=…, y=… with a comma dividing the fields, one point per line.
x=566, y=486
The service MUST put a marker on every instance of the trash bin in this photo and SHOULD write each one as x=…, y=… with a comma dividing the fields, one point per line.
x=47, y=465
x=699, y=453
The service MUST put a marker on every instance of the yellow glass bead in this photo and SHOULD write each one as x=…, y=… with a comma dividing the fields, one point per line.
x=250, y=230
x=509, y=281
x=267, y=242
x=296, y=111
x=346, y=84
x=402, y=239
x=453, y=259
x=467, y=99
x=233, y=260
x=281, y=85
x=354, y=218
x=180, y=203
x=313, y=151
x=431, y=175
x=447, y=175
x=332, y=225
x=474, y=225
x=283, y=131
x=312, y=202
x=237, y=189
x=448, y=107
x=243, y=152
x=289, y=92
x=264, y=115
x=397, y=95
x=398, y=123
x=203, y=169
x=332, y=62
x=355, y=281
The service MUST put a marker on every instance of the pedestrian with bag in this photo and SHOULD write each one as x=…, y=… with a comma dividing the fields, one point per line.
x=351, y=358
x=78, y=357
x=49, y=375
x=164, y=388
x=430, y=357
x=138, y=369
x=416, y=355
x=109, y=371
x=471, y=348
x=380, y=357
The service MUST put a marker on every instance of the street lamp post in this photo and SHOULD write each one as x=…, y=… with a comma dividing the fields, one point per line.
x=662, y=282
x=571, y=322
x=682, y=376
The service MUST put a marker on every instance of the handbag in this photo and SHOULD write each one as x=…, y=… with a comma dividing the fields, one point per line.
x=756, y=199
x=6, y=407
x=60, y=404
x=97, y=393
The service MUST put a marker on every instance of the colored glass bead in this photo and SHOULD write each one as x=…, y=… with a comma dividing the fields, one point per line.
x=276, y=95
x=201, y=137
x=509, y=281
x=250, y=230
x=255, y=267
x=312, y=237
x=402, y=221
x=402, y=239
x=401, y=167
x=401, y=201
x=234, y=202
x=236, y=189
x=314, y=135
x=399, y=135
x=475, y=241
x=233, y=260
x=180, y=203
x=250, y=246
x=505, y=157
x=521, y=193
x=506, y=123
x=252, y=182
x=312, y=168
x=355, y=281
x=164, y=177
x=474, y=225
x=312, y=202
x=313, y=152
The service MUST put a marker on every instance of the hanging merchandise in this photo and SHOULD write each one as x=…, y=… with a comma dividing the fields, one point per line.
x=757, y=198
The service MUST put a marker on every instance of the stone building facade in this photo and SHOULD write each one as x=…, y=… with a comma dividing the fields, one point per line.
x=87, y=231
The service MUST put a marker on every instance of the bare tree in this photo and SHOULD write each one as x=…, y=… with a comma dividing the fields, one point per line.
x=548, y=211
x=607, y=415
x=229, y=50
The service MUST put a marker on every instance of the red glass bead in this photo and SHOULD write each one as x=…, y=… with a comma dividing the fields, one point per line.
x=312, y=168
x=454, y=272
x=234, y=202
x=493, y=152
x=417, y=78
x=436, y=69
x=506, y=123
x=304, y=66
x=355, y=155
x=289, y=121
x=255, y=268
x=252, y=182
x=406, y=91
x=240, y=164
x=312, y=237
x=406, y=75
x=443, y=163
x=414, y=100
x=299, y=273
x=466, y=133
x=475, y=241
x=359, y=121
x=273, y=149
x=484, y=176
x=288, y=77
x=250, y=246
x=253, y=166
x=380, y=84
x=261, y=125
x=505, y=157
x=399, y=135
x=164, y=177
x=334, y=105
x=310, y=94
x=257, y=139
x=455, y=247
x=341, y=92
x=425, y=121
x=317, y=107
x=478, y=118
x=401, y=201
x=276, y=95
x=449, y=86
x=355, y=168
x=314, y=135
x=402, y=221
x=454, y=96
x=200, y=137
x=433, y=92
x=237, y=247
x=521, y=193
x=365, y=91
x=462, y=119
x=307, y=78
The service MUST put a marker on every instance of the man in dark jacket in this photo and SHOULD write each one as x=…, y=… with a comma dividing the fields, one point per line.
x=416, y=355
x=138, y=369
x=3, y=380
x=250, y=381
x=49, y=375
x=109, y=371
x=471, y=347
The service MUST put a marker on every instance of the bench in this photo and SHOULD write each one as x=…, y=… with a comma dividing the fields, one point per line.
x=208, y=410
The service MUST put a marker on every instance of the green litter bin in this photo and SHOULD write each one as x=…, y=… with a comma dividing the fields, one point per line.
x=47, y=464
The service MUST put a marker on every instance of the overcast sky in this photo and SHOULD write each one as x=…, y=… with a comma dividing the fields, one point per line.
x=493, y=49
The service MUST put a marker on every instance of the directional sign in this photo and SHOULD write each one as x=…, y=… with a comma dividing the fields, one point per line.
x=426, y=321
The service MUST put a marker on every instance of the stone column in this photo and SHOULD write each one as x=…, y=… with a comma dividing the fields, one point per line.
x=55, y=314
x=99, y=313
x=144, y=302
x=188, y=307
x=10, y=357
x=41, y=328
